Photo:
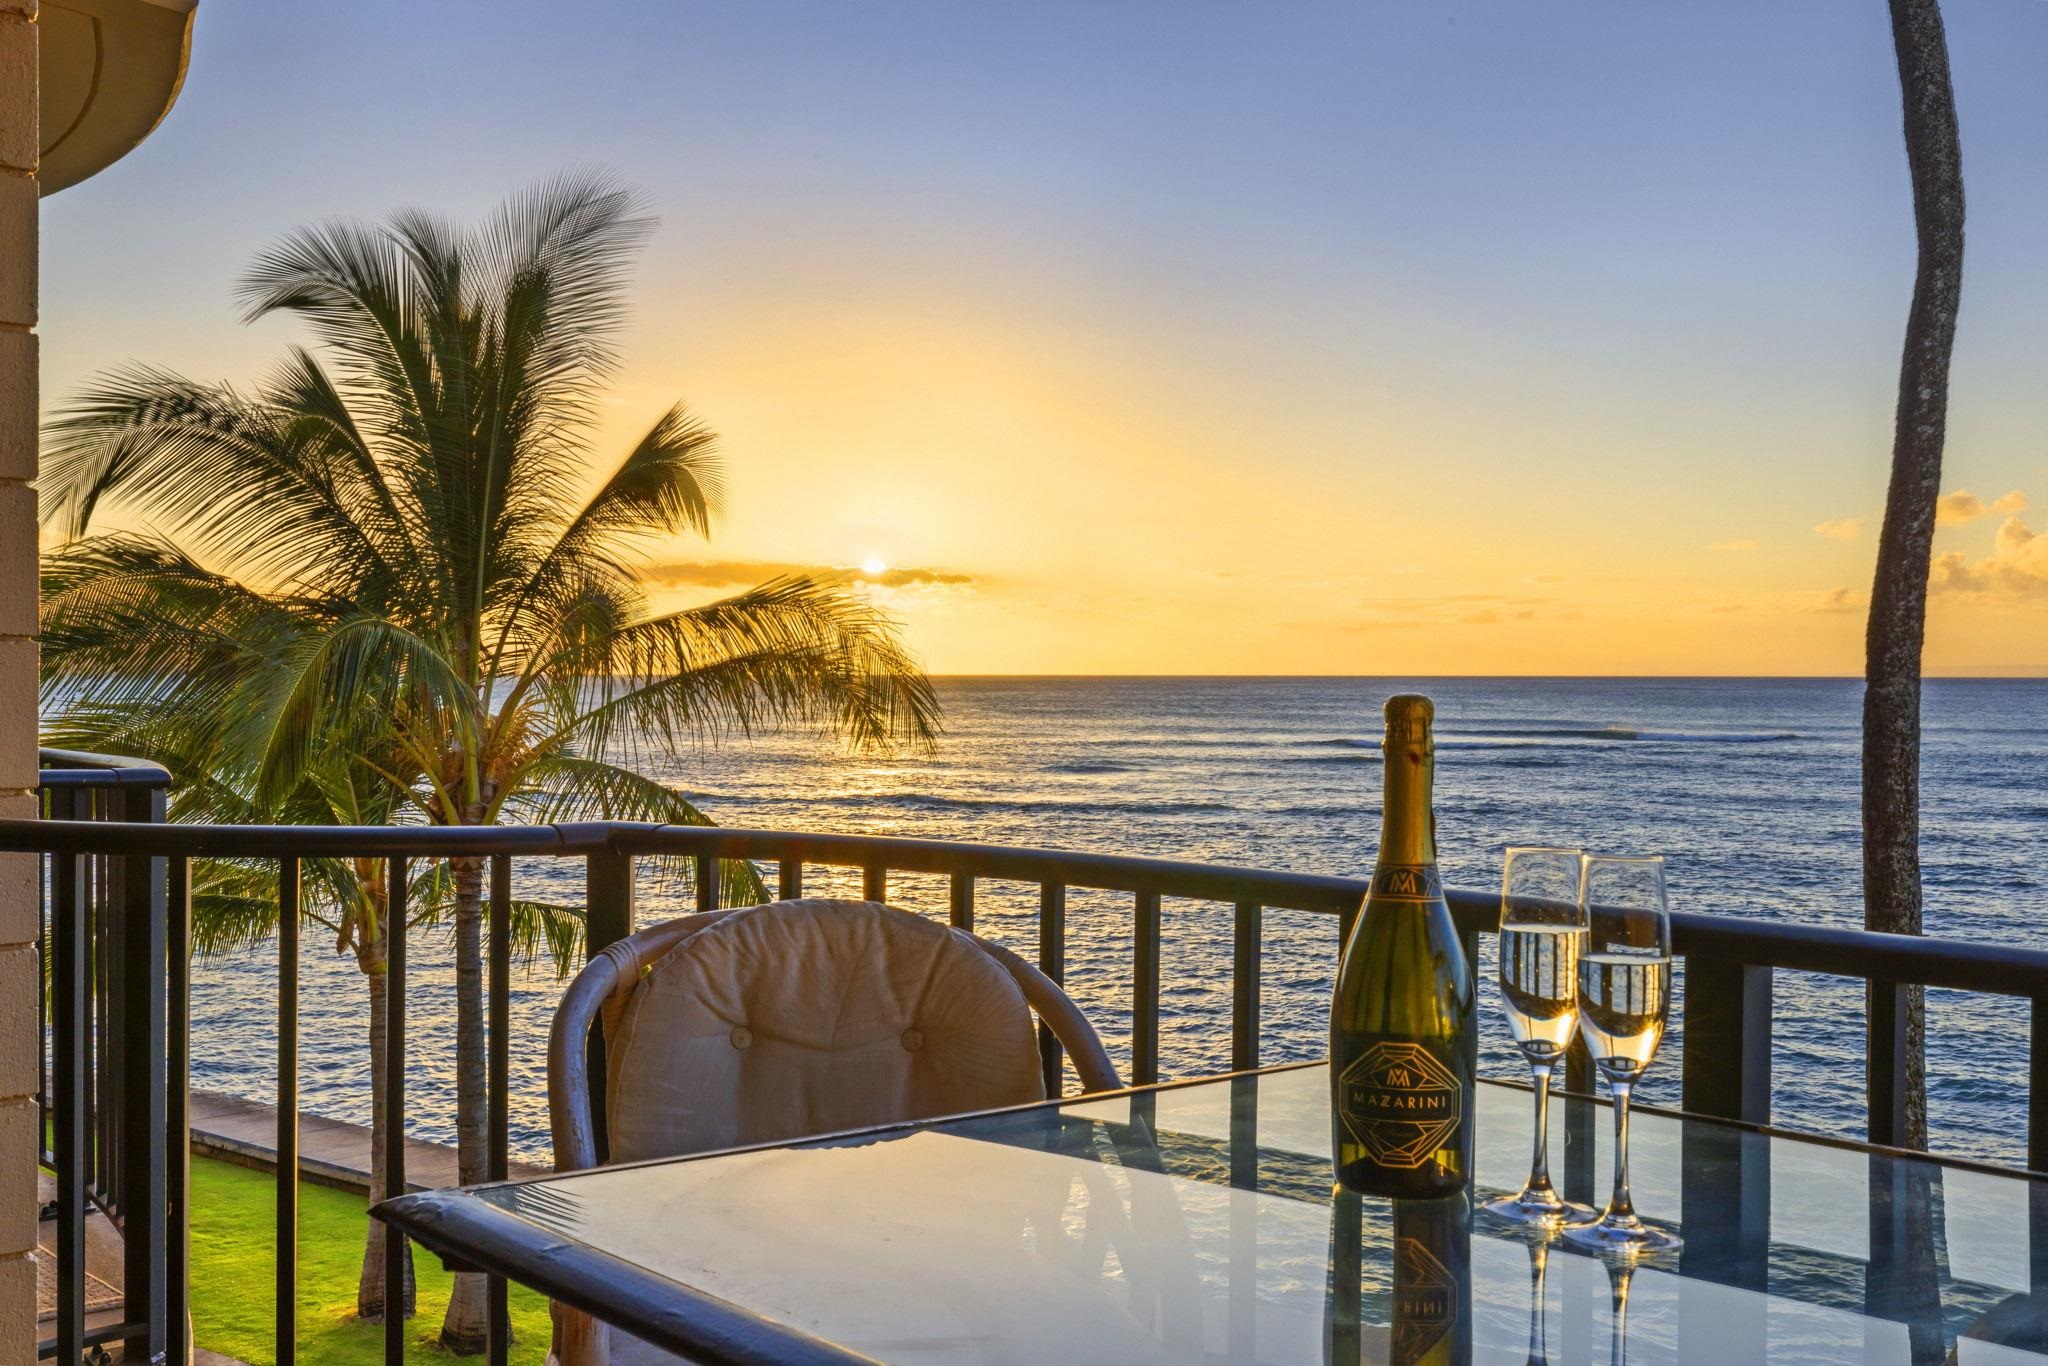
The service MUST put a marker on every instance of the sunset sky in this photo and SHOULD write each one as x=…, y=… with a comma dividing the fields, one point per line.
x=1178, y=338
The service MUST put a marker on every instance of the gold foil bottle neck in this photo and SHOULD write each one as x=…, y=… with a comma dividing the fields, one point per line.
x=1410, y=717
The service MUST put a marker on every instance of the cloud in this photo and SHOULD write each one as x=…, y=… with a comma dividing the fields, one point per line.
x=1444, y=609
x=746, y=573
x=2016, y=568
x=1733, y=545
x=1835, y=600
x=1963, y=507
x=1841, y=529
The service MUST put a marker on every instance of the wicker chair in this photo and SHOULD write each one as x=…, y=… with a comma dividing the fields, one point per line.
x=783, y=1021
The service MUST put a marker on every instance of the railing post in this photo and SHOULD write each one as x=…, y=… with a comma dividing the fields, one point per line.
x=789, y=879
x=499, y=1139
x=68, y=928
x=706, y=876
x=1727, y=1073
x=1727, y=1066
x=288, y=906
x=177, y=1299
x=2037, y=1085
x=1145, y=990
x=608, y=911
x=1580, y=1122
x=960, y=902
x=874, y=884
x=1247, y=941
x=394, y=1104
x=1884, y=1061
x=608, y=896
x=146, y=1026
x=1052, y=961
x=1470, y=942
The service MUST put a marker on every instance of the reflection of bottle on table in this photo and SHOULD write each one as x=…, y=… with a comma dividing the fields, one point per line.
x=1429, y=1307
x=1432, y=1301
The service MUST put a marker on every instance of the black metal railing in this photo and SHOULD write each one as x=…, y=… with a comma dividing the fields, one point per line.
x=1729, y=965
x=101, y=998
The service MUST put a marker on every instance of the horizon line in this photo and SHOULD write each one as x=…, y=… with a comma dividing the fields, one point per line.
x=1985, y=674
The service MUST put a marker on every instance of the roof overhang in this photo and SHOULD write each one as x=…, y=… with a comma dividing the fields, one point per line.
x=110, y=72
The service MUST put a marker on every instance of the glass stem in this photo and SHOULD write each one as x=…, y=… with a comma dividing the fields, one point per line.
x=1621, y=1209
x=1539, y=1160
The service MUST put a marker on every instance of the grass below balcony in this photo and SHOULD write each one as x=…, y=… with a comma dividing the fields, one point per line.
x=234, y=1277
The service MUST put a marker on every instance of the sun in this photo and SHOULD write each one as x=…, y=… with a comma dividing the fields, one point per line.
x=874, y=565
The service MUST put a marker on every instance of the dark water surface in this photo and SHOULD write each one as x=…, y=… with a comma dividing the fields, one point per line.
x=1748, y=786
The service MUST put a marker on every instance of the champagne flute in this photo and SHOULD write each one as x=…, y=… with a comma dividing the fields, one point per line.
x=1624, y=997
x=1542, y=930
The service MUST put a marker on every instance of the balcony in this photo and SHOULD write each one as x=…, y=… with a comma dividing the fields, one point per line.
x=117, y=948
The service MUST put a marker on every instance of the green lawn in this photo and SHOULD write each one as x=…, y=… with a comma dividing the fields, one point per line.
x=234, y=1270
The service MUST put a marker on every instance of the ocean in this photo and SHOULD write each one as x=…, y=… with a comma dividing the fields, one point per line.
x=1748, y=787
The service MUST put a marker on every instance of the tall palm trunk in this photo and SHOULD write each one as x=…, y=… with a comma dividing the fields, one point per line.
x=370, y=1288
x=1898, y=595
x=464, y=1329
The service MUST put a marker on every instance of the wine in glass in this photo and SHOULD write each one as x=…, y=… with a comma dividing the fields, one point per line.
x=1542, y=932
x=1624, y=998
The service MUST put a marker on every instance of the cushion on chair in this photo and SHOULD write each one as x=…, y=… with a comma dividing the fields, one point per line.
x=805, y=1017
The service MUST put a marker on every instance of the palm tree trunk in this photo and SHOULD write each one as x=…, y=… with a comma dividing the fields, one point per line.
x=466, y=1326
x=1898, y=595
x=370, y=1287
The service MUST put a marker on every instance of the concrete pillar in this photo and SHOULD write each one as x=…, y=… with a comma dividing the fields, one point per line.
x=19, y=1034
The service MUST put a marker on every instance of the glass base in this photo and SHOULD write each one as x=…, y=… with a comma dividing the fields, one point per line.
x=1621, y=1237
x=1541, y=1209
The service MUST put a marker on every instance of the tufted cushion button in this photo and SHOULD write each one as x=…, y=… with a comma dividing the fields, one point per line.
x=741, y=1036
x=913, y=1039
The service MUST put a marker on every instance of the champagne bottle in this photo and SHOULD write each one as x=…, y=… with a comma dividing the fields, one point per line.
x=1430, y=1321
x=1401, y=1016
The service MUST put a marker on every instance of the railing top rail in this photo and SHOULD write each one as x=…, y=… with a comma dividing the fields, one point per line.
x=304, y=841
x=1104, y=872
x=1993, y=968
x=76, y=768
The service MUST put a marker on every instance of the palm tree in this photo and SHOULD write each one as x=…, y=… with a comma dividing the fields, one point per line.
x=235, y=903
x=375, y=554
x=1898, y=594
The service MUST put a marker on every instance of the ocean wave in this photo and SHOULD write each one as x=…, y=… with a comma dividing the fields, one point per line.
x=1089, y=766
x=1525, y=739
x=1701, y=737
x=932, y=801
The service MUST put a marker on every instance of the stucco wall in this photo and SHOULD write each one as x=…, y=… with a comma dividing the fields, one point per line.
x=18, y=1051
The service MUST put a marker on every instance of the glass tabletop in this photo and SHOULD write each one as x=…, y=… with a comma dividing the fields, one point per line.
x=1196, y=1224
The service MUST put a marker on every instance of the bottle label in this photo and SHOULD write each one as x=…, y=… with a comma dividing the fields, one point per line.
x=1406, y=882
x=1400, y=1103
x=1425, y=1300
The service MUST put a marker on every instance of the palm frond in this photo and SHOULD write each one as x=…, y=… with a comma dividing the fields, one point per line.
x=234, y=905
x=236, y=475
x=673, y=480
x=556, y=787
x=351, y=683
x=792, y=650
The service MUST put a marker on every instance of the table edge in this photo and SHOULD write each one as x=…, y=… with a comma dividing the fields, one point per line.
x=677, y=1317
